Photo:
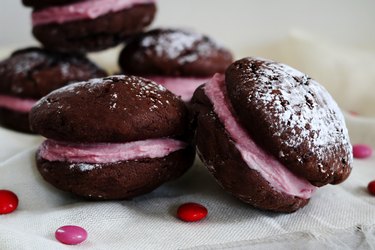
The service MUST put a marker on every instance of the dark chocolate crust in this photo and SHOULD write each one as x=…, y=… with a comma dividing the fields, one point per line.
x=224, y=161
x=172, y=52
x=37, y=4
x=114, y=181
x=18, y=121
x=112, y=109
x=34, y=72
x=95, y=34
x=296, y=119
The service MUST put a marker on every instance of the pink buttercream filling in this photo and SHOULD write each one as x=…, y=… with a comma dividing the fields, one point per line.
x=180, y=86
x=279, y=177
x=108, y=152
x=87, y=9
x=16, y=103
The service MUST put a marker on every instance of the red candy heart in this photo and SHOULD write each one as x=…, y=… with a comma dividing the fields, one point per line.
x=371, y=187
x=8, y=202
x=191, y=212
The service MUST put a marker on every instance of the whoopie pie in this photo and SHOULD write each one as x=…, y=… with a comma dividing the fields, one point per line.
x=177, y=59
x=270, y=134
x=112, y=138
x=91, y=25
x=29, y=74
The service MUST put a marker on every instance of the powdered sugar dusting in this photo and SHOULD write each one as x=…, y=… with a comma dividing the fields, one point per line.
x=22, y=65
x=84, y=167
x=73, y=88
x=304, y=112
x=180, y=45
x=113, y=101
x=147, y=89
x=141, y=88
x=25, y=65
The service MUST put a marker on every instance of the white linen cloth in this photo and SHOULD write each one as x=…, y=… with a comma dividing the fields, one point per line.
x=337, y=217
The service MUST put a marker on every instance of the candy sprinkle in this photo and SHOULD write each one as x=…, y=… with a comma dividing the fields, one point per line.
x=191, y=212
x=362, y=151
x=8, y=202
x=71, y=235
x=371, y=187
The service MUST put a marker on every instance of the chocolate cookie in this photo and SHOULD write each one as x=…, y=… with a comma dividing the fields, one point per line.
x=172, y=52
x=91, y=25
x=270, y=134
x=38, y=4
x=29, y=74
x=177, y=59
x=112, y=138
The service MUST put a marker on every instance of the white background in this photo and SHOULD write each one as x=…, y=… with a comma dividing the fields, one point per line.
x=239, y=24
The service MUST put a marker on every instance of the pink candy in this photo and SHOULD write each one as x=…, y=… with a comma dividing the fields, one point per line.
x=71, y=235
x=362, y=151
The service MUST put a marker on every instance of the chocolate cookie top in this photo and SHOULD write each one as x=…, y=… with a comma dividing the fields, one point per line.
x=46, y=3
x=111, y=109
x=34, y=72
x=296, y=118
x=171, y=52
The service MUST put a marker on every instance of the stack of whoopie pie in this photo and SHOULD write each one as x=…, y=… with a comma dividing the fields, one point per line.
x=109, y=137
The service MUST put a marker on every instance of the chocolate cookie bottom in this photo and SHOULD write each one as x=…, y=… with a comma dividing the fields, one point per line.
x=220, y=155
x=14, y=120
x=115, y=181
